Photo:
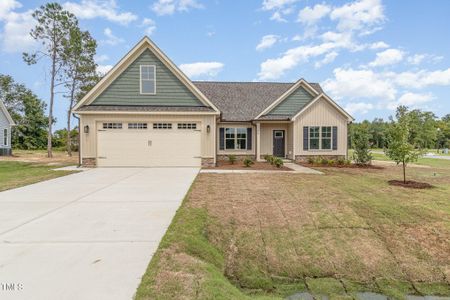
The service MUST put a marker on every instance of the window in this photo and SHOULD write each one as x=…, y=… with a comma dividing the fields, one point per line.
x=187, y=126
x=326, y=138
x=279, y=134
x=314, y=136
x=162, y=125
x=112, y=125
x=320, y=138
x=5, y=137
x=148, y=80
x=137, y=125
x=236, y=138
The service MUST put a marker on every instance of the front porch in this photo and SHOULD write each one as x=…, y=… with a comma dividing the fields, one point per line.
x=274, y=138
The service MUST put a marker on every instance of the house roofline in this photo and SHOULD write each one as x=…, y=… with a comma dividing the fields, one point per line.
x=139, y=48
x=8, y=116
x=326, y=97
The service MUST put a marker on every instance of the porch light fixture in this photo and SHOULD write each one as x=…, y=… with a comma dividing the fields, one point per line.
x=208, y=128
x=86, y=129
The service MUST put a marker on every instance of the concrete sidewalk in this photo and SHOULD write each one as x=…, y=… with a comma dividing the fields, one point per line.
x=88, y=235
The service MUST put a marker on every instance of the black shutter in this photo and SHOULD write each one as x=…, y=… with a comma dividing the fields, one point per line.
x=221, y=138
x=249, y=139
x=335, y=137
x=305, y=138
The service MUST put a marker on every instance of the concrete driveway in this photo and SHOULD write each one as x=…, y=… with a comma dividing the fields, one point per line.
x=89, y=235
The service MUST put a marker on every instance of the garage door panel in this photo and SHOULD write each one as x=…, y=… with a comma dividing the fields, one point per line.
x=151, y=148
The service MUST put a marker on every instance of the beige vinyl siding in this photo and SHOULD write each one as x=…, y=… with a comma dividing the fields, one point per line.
x=267, y=137
x=321, y=113
x=89, y=140
x=236, y=152
x=293, y=103
x=290, y=141
x=125, y=89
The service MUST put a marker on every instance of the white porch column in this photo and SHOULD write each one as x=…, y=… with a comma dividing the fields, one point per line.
x=258, y=141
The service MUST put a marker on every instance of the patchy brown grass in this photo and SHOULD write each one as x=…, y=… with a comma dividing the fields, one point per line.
x=336, y=234
x=40, y=156
x=410, y=184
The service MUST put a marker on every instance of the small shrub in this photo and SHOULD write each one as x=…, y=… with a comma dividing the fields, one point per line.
x=324, y=161
x=361, y=143
x=248, y=162
x=331, y=162
x=317, y=160
x=278, y=162
x=348, y=162
x=232, y=158
x=311, y=160
x=267, y=157
x=340, y=161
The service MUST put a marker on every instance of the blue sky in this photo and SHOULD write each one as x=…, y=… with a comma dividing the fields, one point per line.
x=369, y=55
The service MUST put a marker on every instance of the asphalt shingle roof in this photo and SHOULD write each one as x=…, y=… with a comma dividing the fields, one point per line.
x=144, y=108
x=244, y=101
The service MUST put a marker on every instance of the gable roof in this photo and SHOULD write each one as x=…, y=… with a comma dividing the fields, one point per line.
x=329, y=100
x=244, y=101
x=6, y=113
x=137, y=50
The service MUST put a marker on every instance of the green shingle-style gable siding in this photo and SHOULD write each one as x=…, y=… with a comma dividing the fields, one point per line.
x=293, y=103
x=125, y=90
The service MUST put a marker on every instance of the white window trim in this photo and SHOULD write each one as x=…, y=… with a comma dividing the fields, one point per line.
x=320, y=139
x=140, y=79
x=5, y=137
x=235, y=139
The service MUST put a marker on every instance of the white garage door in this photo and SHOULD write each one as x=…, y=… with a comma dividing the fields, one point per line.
x=119, y=146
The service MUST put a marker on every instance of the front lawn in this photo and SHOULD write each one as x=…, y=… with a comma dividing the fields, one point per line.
x=268, y=236
x=28, y=167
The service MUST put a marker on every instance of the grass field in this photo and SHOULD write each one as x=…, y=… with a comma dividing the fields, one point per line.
x=260, y=236
x=27, y=167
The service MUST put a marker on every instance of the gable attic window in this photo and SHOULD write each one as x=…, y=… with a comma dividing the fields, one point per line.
x=148, y=79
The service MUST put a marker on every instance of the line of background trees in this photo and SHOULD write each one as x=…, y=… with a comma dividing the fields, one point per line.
x=426, y=131
x=68, y=54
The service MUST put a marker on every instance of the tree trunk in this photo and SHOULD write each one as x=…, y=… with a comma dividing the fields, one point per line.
x=404, y=172
x=69, y=113
x=50, y=109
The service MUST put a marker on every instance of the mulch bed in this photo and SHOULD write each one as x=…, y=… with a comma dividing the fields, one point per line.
x=410, y=184
x=351, y=166
x=238, y=165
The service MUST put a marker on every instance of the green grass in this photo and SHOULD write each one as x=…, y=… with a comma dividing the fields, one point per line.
x=334, y=235
x=16, y=174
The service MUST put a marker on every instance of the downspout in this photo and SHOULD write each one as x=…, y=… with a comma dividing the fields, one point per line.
x=79, y=140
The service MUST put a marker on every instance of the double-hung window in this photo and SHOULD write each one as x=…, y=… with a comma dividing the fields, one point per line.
x=326, y=138
x=148, y=79
x=320, y=138
x=314, y=137
x=236, y=138
x=5, y=137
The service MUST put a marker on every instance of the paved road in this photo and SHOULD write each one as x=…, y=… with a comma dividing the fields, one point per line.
x=89, y=235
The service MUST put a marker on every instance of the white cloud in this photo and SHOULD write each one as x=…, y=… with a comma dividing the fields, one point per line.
x=276, y=4
x=169, y=7
x=329, y=58
x=267, y=41
x=6, y=6
x=311, y=16
x=101, y=58
x=111, y=38
x=15, y=36
x=275, y=67
x=414, y=100
x=378, y=45
x=106, y=9
x=198, y=69
x=420, y=79
x=353, y=84
x=150, y=26
x=103, y=69
x=358, y=15
x=358, y=107
x=387, y=57
x=277, y=16
x=416, y=59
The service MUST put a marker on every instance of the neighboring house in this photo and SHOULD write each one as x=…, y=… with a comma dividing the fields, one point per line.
x=146, y=112
x=6, y=123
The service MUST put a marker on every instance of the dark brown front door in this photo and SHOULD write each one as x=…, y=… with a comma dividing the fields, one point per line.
x=278, y=143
